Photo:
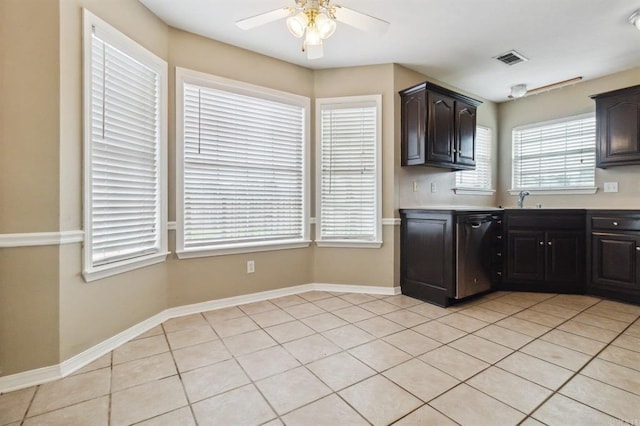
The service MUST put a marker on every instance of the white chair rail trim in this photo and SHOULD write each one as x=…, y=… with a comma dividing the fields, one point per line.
x=32, y=239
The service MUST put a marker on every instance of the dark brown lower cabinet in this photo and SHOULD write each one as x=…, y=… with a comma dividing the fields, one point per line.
x=427, y=256
x=615, y=255
x=545, y=250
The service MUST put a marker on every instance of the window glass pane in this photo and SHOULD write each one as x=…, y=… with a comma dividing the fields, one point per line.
x=480, y=178
x=125, y=141
x=348, y=163
x=559, y=154
x=243, y=169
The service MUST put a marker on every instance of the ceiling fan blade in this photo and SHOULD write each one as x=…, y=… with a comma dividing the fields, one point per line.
x=264, y=18
x=314, y=51
x=360, y=20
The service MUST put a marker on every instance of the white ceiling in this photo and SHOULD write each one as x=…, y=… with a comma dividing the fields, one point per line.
x=454, y=41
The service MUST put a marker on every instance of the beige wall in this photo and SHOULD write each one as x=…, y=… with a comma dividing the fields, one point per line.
x=93, y=312
x=444, y=179
x=28, y=308
x=29, y=116
x=29, y=123
x=209, y=278
x=565, y=102
x=362, y=266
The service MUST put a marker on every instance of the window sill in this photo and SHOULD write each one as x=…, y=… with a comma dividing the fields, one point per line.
x=556, y=191
x=106, y=271
x=240, y=248
x=473, y=191
x=349, y=244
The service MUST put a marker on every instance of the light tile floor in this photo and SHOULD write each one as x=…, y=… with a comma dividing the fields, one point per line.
x=332, y=358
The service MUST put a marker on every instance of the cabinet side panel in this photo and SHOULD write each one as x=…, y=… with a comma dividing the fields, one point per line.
x=425, y=251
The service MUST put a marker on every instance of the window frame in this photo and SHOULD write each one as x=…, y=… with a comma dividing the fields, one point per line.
x=351, y=101
x=460, y=189
x=186, y=76
x=575, y=190
x=130, y=47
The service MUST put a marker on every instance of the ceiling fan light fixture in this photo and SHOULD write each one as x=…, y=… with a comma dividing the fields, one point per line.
x=518, y=91
x=325, y=25
x=314, y=51
x=313, y=36
x=297, y=24
x=634, y=19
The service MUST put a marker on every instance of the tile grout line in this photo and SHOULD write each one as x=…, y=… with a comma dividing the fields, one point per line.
x=381, y=338
x=577, y=372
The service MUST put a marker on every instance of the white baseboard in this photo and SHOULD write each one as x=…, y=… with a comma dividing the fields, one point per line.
x=29, y=378
x=47, y=374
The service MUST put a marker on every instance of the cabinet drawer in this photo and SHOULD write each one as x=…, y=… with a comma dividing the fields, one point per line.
x=572, y=221
x=626, y=223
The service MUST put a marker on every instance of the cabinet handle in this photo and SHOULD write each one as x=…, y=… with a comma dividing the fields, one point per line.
x=499, y=274
x=615, y=223
x=499, y=254
x=499, y=237
x=541, y=243
x=549, y=243
x=638, y=248
x=454, y=150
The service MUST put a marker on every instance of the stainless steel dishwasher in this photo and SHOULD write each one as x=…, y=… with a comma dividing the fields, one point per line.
x=473, y=254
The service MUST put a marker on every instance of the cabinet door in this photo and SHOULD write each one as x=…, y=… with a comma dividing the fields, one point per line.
x=465, y=152
x=565, y=257
x=413, y=128
x=525, y=255
x=440, y=125
x=618, y=120
x=614, y=260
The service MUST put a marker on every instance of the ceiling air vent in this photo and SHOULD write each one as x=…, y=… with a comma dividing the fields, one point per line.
x=511, y=58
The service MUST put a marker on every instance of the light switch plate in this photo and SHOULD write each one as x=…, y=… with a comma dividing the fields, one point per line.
x=611, y=187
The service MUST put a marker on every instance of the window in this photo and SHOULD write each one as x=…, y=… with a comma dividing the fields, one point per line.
x=242, y=167
x=349, y=172
x=478, y=181
x=555, y=155
x=124, y=153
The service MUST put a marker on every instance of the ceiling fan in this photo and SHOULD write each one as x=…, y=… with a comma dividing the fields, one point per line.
x=316, y=21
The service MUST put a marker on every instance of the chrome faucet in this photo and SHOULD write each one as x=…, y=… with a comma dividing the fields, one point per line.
x=521, y=196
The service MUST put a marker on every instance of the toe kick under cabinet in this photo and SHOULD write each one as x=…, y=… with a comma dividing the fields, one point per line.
x=614, y=254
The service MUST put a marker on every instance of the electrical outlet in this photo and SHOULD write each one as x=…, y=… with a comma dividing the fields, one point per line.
x=415, y=186
x=434, y=187
x=611, y=187
x=251, y=266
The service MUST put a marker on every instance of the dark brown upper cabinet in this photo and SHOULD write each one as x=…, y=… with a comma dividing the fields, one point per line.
x=438, y=127
x=618, y=127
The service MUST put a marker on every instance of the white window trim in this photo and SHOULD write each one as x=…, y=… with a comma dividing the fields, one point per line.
x=556, y=191
x=126, y=44
x=351, y=243
x=586, y=190
x=188, y=76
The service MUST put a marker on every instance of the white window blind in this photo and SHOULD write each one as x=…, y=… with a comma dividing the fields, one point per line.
x=124, y=216
x=555, y=155
x=480, y=178
x=349, y=169
x=243, y=169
